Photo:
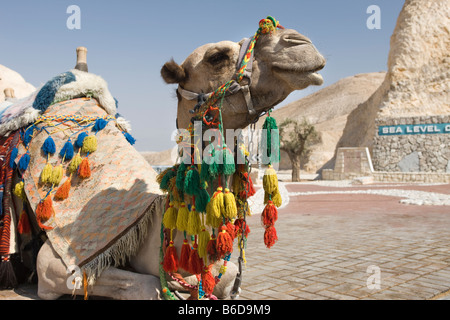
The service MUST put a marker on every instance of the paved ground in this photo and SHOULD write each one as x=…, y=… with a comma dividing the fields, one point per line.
x=328, y=240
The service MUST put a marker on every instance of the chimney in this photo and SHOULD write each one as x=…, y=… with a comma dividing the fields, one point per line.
x=9, y=93
x=81, y=59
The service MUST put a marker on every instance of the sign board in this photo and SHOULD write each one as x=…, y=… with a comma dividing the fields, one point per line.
x=403, y=129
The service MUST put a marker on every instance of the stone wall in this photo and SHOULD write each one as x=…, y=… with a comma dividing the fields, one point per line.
x=412, y=152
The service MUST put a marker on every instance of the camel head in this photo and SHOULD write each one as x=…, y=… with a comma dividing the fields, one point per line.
x=283, y=61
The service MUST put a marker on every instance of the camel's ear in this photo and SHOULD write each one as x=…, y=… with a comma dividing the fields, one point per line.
x=171, y=72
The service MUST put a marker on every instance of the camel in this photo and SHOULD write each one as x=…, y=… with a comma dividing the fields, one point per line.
x=283, y=61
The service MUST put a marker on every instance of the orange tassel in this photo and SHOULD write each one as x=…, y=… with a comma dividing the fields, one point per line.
x=63, y=191
x=84, y=170
x=23, y=227
x=270, y=236
x=224, y=242
x=269, y=214
x=170, y=263
x=211, y=249
x=44, y=209
x=208, y=281
x=185, y=253
x=249, y=189
x=241, y=227
x=195, y=262
x=230, y=230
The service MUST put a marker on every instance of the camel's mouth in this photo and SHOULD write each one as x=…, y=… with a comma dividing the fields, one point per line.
x=313, y=77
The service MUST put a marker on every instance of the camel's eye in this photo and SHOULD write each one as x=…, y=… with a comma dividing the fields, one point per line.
x=217, y=57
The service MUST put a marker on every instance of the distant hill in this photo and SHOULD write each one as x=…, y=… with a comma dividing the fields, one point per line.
x=328, y=109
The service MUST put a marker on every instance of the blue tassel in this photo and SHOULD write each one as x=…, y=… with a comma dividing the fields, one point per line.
x=24, y=161
x=67, y=151
x=12, y=159
x=49, y=146
x=46, y=95
x=28, y=135
x=80, y=139
x=99, y=124
x=129, y=138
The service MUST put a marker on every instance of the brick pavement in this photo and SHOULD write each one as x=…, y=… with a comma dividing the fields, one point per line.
x=327, y=242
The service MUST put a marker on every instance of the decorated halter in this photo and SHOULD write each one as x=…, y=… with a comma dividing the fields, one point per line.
x=204, y=107
x=211, y=219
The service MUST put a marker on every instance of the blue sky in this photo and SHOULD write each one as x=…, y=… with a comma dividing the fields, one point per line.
x=129, y=41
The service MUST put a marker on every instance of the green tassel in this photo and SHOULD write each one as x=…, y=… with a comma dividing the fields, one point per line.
x=164, y=184
x=213, y=168
x=201, y=200
x=192, y=182
x=179, y=182
x=228, y=161
x=204, y=172
x=272, y=146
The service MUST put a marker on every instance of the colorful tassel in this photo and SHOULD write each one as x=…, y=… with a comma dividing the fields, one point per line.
x=213, y=168
x=270, y=180
x=28, y=135
x=49, y=146
x=217, y=203
x=89, y=144
x=63, y=191
x=230, y=204
x=208, y=281
x=241, y=228
x=211, y=248
x=180, y=176
x=195, y=262
x=170, y=263
x=57, y=175
x=44, y=209
x=19, y=190
x=80, y=139
x=170, y=217
x=192, y=181
x=24, y=162
x=224, y=242
x=75, y=163
x=276, y=198
x=203, y=240
x=23, y=227
x=249, y=189
x=228, y=161
x=201, y=200
x=185, y=254
x=67, y=151
x=269, y=214
x=165, y=177
x=46, y=174
x=84, y=170
x=183, y=217
x=270, y=141
x=99, y=124
x=211, y=219
x=270, y=236
x=194, y=223
x=131, y=140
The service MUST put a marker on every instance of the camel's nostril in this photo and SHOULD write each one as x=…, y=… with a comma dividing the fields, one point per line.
x=295, y=39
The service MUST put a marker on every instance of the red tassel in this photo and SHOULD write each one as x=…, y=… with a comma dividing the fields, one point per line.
x=170, y=263
x=44, y=209
x=63, y=191
x=208, y=281
x=269, y=214
x=184, y=256
x=249, y=189
x=195, y=262
x=84, y=170
x=224, y=242
x=23, y=227
x=239, y=226
x=211, y=249
x=230, y=230
x=270, y=236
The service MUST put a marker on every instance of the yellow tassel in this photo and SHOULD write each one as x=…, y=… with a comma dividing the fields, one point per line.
x=19, y=190
x=217, y=203
x=203, y=240
x=76, y=161
x=276, y=198
x=230, y=204
x=183, y=217
x=170, y=217
x=270, y=180
x=194, y=223
x=211, y=219
x=46, y=174
x=89, y=144
x=57, y=175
